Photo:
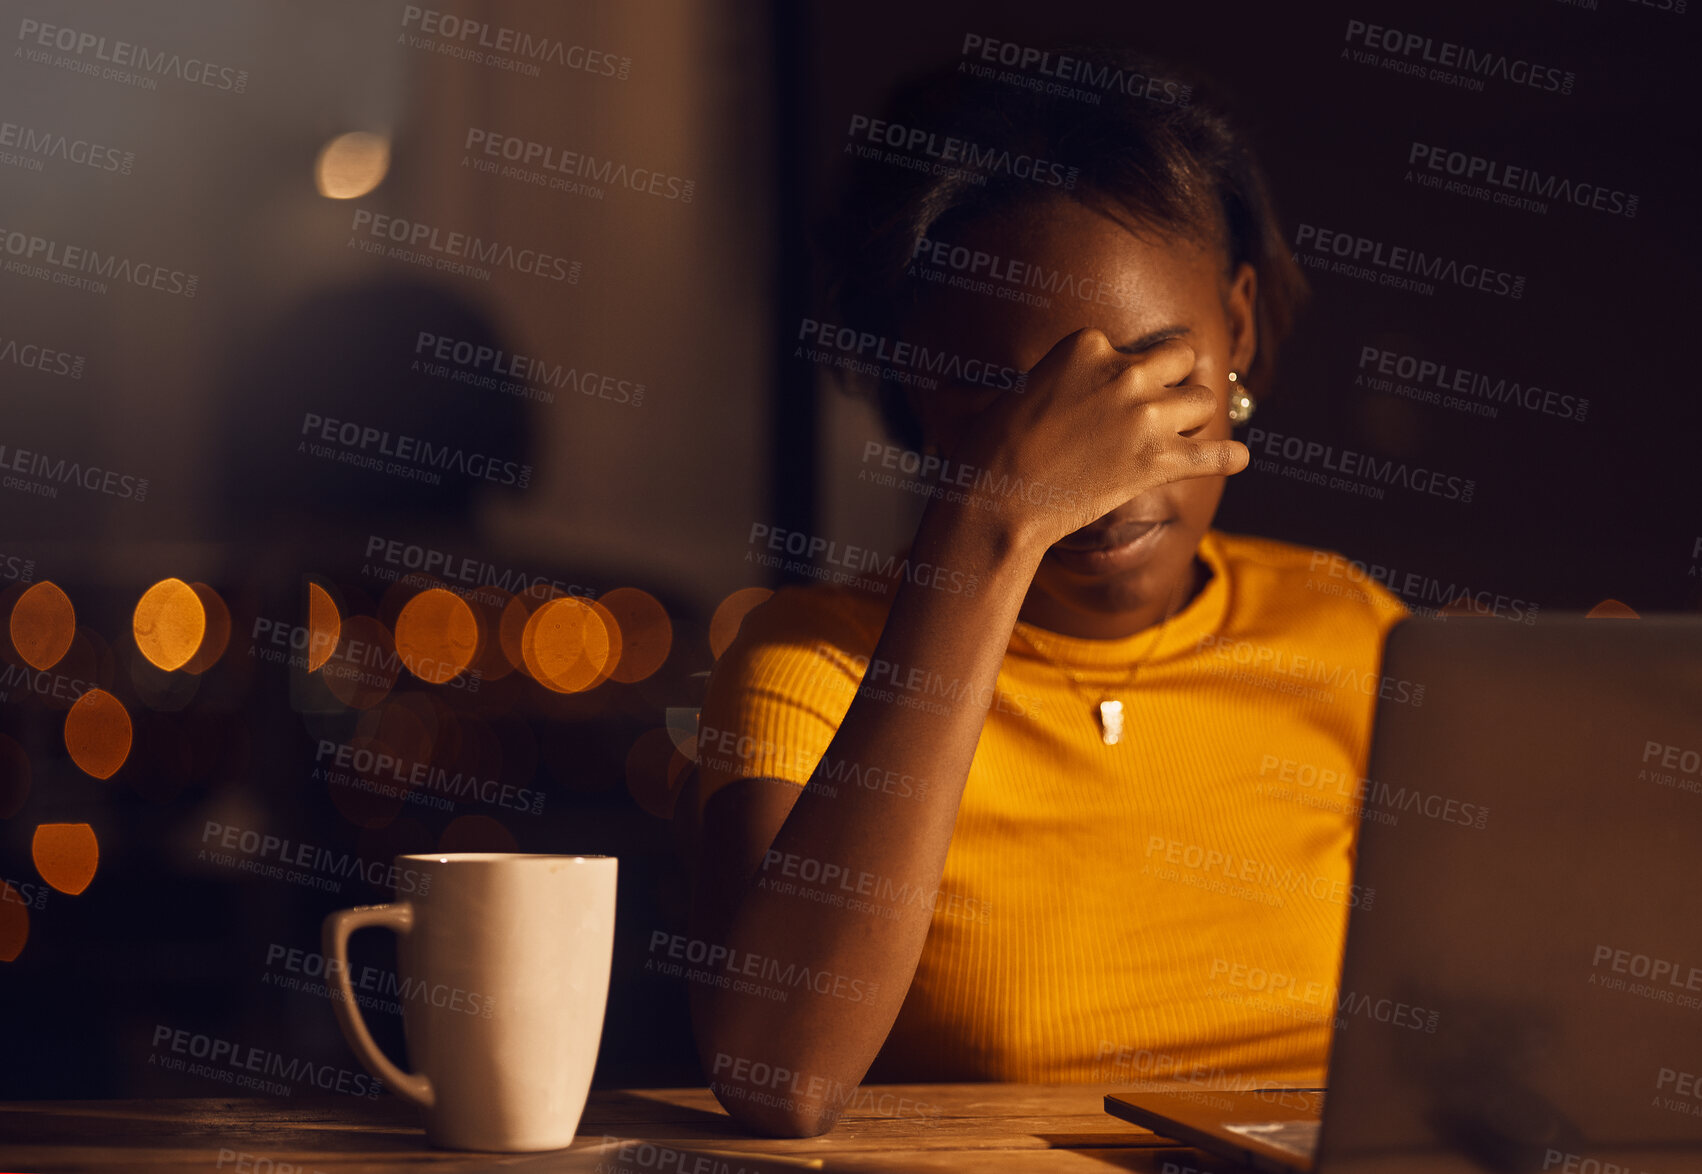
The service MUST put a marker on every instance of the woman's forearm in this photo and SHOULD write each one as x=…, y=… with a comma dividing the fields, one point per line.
x=786, y=1066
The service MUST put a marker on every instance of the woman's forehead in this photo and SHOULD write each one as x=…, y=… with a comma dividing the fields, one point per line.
x=1025, y=277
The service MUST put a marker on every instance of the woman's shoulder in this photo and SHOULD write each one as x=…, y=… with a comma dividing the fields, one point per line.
x=781, y=687
x=1267, y=575
x=802, y=627
x=815, y=612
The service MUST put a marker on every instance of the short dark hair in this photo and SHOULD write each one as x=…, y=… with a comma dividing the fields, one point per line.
x=1174, y=161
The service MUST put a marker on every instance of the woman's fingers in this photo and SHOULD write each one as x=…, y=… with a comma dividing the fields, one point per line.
x=1164, y=364
x=1212, y=458
x=1106, y=424
x=1179, y=409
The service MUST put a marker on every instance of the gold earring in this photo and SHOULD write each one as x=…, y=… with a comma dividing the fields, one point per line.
x=1240, y=403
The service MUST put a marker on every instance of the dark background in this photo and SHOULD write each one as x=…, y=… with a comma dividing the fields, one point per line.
x=204, y=397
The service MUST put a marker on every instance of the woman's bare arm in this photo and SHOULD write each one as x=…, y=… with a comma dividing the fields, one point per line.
x=1103, y=423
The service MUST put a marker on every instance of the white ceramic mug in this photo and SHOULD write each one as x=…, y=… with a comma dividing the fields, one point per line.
x=503, y=970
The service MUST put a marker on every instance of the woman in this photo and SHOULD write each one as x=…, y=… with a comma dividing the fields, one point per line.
x=1071, y=799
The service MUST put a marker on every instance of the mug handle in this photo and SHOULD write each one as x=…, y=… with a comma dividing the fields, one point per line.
x=399, y=916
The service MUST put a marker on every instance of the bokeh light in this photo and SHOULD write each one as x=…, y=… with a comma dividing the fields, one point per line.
x=403, y=836
x=14, y=923
x=724, y=625
x=612, y=633
x=365, y=666
x=654, y=771
x=516, y=614
x=489, y=604
x=1611, y=609
x=66, y=855
x=43, y=623
x=324, y=626
x=98, y=733
x=351, y=165
x=436, y=635
x=216, y=638
x=366, y=794
x=161, y=690
x=647, y=635
x=86, y=663
x=681, y=723
x=168, y=623
x=566, y=645
x=408, y=727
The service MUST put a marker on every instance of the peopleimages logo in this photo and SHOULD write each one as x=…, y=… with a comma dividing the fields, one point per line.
x=1401, y=267
x=733, y=752
x=373, y=987
x=771, y=1083
x=1059, y=74
x=1423, y=594
x=899, y=361
x=922, y=149
x=424, y=460
x=299, y=862
x=1475, y=176
x=379, y=766
x=493, y=369
x=450, y=247
x=50, y=260
x=1275, y=663
x=860, y=566
x=36, y=357
x=1272, y=881
x=35, y=145
x=16, y=568
x=1312, y=785
x=1565, y=1161
x=1006, y=278
x=131, y=64
x=552, y=166
x=1430, y=381
x=1352, y=468
x=31, y=895
x=1680, y=760
x=842, y=887
x=393, y=558
x=934, y=476
x=502, y=47
x=1424, y=56
x=1276, y=987
x=45, y=683
x=243, y=1067
x=57, y=471
x=729, y=968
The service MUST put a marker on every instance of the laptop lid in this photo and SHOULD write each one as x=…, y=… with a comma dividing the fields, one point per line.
x=1525, y=990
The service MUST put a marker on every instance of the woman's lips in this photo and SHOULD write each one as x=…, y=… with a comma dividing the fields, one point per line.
x=1116, y=548
x=1106, y=537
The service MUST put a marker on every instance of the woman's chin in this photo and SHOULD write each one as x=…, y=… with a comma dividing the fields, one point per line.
x=1127, y=585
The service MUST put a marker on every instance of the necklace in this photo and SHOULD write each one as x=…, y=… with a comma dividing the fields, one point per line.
x=1109, y=708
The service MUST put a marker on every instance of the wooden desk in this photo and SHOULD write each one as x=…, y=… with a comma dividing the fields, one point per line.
x=922, y=1127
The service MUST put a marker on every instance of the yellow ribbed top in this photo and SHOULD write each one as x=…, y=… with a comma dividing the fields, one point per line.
x=1170, y=907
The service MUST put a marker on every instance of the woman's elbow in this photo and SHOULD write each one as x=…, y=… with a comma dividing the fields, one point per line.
x=765, y=1094
x=774, y=1114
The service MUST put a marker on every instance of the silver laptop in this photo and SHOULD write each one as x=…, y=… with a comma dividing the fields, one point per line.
x=1556, y=950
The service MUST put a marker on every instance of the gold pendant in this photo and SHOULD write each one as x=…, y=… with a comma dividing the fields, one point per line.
x=1111, y=722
